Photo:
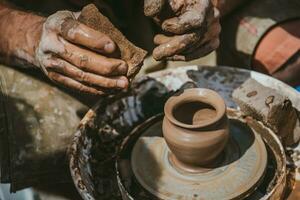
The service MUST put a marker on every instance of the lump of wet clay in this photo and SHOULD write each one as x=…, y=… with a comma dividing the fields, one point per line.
x=131, y=54
x=267, y=105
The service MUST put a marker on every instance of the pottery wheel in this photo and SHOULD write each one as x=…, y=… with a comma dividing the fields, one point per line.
x=238, y=171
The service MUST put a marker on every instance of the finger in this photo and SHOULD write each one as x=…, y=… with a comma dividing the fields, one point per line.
x=161, y=39
x=216, y=13
x=177, y=5
x=176, y=45
x=213, y=16
x=81, y=34
x=211, y=34
x=193, y=17
x=70, y=83
x=153, y=7
x=214, y=29
x=165, y=13
x=157, y=20
x=92, y=62
x=200, y=52
x=177, y=58
x=203, y=51
x=73, y=72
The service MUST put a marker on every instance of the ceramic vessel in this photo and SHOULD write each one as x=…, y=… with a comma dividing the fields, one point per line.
x=195, y=128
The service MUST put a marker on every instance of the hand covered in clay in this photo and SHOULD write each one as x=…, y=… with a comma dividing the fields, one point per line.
x=78, y=57
x=191, y=28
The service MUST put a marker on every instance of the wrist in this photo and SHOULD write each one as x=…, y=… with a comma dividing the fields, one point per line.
x=20, y=36
x=33, y=36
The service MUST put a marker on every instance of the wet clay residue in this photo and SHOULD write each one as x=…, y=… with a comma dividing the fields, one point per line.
x=269, y=100
x=134, y=56
x=152, y=8
x=251, y=94
x=198, y=112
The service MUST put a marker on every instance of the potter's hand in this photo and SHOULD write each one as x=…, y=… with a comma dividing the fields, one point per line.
x=191, y=28
x=78, y=57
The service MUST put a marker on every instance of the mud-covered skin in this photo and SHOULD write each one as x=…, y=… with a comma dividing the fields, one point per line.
x=68, y=52
x=191, y=28
x=152, y=7
x=83, y=69
x=19, y=36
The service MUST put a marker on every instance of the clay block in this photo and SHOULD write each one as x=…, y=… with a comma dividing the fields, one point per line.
x=133, y=55
x=267, y=105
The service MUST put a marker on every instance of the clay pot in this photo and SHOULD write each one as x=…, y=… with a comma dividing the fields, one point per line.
x=195, y=128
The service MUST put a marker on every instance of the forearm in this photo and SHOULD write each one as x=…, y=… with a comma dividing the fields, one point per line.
x=20, y=34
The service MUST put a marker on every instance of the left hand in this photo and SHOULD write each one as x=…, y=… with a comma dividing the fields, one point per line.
x=191, y=28
x=78, y=57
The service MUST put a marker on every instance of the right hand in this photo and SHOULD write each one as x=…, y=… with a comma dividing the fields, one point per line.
x=78, y=57
x=190, y=28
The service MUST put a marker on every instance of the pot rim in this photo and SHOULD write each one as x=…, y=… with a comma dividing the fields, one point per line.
x=202, y=95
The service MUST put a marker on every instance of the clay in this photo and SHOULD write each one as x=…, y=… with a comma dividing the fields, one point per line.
x=238, y=172
x=132, y=55
x=268, y=106
x=175, y=45
x=195, y=128
x=198, y=112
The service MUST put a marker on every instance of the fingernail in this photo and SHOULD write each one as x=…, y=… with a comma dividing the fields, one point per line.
x=109, y=47
x=121, y=83
x=122, y=69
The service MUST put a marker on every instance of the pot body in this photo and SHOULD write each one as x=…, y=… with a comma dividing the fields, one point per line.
x=196, y=147
x=195, y=128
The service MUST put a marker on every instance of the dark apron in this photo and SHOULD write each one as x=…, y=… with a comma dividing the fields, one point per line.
x=37, y=121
